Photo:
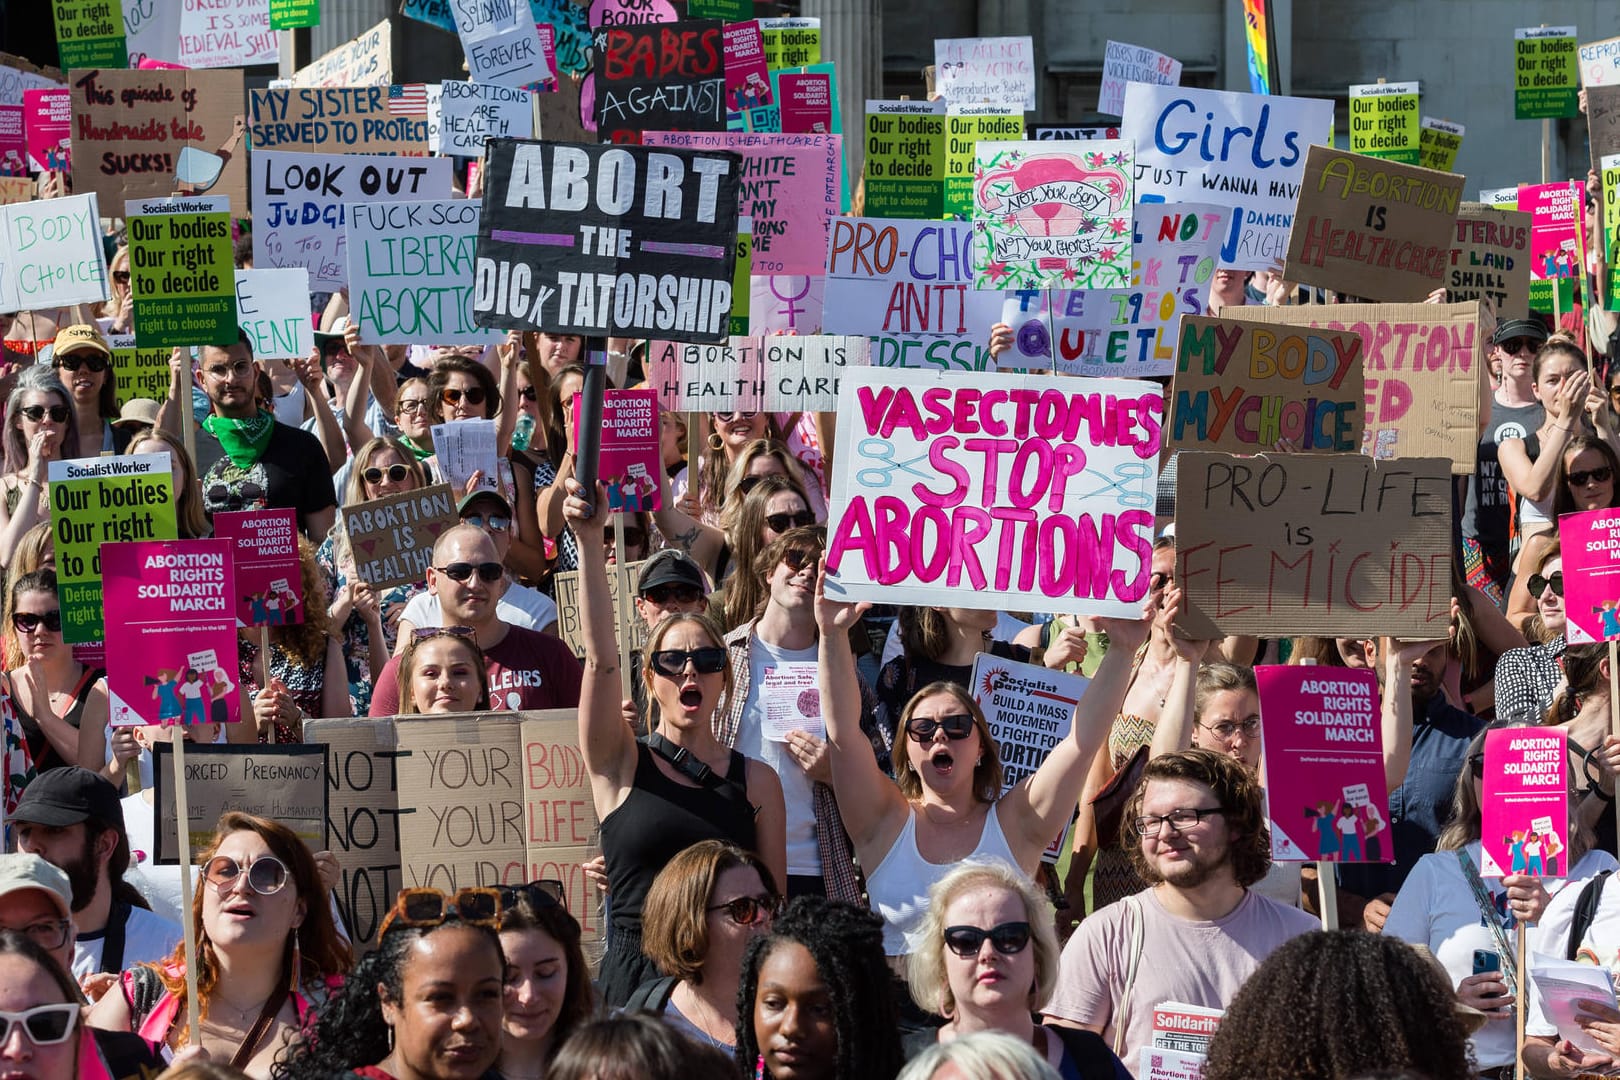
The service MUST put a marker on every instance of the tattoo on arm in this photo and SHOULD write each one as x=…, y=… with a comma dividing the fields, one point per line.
x=685, y=540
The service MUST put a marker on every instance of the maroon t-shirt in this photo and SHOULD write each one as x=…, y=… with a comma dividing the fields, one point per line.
x=527, y=670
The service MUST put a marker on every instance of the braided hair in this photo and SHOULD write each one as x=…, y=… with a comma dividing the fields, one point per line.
x=846, y=944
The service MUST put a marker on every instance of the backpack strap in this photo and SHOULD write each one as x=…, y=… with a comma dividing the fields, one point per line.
x=652, y=994
x=697, y=772
x=1133, y=910
x=1586, y=907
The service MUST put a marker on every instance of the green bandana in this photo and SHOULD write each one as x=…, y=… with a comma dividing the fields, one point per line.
x=243, y=441
x=410, y=444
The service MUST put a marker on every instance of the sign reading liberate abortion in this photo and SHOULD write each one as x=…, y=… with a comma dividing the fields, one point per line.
x=411, y=272
x=622, y=241
x=1033, y=493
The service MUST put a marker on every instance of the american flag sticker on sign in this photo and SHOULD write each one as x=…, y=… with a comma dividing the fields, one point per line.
x=408, y=99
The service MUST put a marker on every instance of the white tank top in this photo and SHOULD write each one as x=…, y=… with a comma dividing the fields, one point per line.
x=898, y=888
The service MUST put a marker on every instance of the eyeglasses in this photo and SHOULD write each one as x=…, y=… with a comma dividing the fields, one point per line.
x=1539, y=584
x=633, y=537
x=492, y=522
x=220, y=496
x=74, y=361
x=48, y=934
x=728, y=417
x=27, y=622
x=671, y=663
x=526, y=393
x=1517, y=345
x=542, y=894
x=461, y=571
x=1599, y=475
x=1178, y=820
x=750, y=910
x=412, y=405
x=956, y=726
x=45, y=1025
x=781, y=523
x=451, y=396
x=796, y=559
x=1009, y=939
x=430, y=907
x=679, y=594
x=266, y=875
x=35, y=413
x=395, y=473
x=1250, y=727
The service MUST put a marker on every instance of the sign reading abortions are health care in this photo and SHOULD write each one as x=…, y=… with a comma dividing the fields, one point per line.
x=1591, y=547
x=392, y=538
x=182, y=271
x=1243, y=386
x=411, y=268
x=470, y=114
x=286, y=784
x=1371, y=228
x=607, y=240
x=779, y=373
x=337, y=119
x=1284, y=543
x=994, y=491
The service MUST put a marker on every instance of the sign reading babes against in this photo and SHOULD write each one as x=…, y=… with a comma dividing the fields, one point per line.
x=1032, y=493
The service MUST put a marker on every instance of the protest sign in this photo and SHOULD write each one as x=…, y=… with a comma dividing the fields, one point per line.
x=151, y=32
x=806, y=103
x=294, y=14
x=748, y=80
x=95, y=501
x=785, y=303
x=1603, y=122
x=1438, y=143
x=966, y=127
x=471, y=113
x=791, y=696
x=152, y=134
x=181, y=265
x=905, y=159
x=996, y=71
x=15, y=189
x=1370, y=228
x=48, y=122
x=1332, y=544
x=1600, y=62
x=89, y=33
x=1124, y=332
x=1123, y=64
x=908, y=285
x=139, y=373
x=660, y=77
x=1256, y=171
x=171, y=632
x=1557, y=211
x=630, y=460
x=1490, y=259
x=707, y=377
x=1016, y=492
x=338, y=119
x=740, y=277
x=678, y=208
x=272, y=308
x=1611, y=230
x=367, y=60
x=1046, y=216
x=392, y=537
x=465, y=447
x=299, y=202
x=1384, y=121
x=1326, y=796
x=571, y=25
x=626, y=618
x=1500, y=198
x=791, y=42
x=1546, y=72
x=1524, y=803
x=1243, y=386
x=17, y=77
x=269, y=582
x=1070, y=133
x=51, y=254
x=286, y=784
x=1591, y=549
x=1425, y=370
x=226, y=33
x=411, y=272
x=804, y=373
x=362, y=815
x=511, y=57
x=730, y=10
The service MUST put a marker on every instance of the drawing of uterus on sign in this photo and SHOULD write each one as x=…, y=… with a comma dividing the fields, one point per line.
x=1053, y=219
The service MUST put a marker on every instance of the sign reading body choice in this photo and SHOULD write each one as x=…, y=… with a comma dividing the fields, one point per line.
x=994, y=491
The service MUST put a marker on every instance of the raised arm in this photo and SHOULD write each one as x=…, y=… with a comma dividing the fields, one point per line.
x=1174, y=729
x=327, y=430
x=1533, y=480
x=702, y=542
x=176, y=408
x=354, y=399
x=1396, y=716
x=510, y=355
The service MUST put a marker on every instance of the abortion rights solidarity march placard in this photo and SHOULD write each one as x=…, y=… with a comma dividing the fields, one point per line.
x=1016, y=492
x=1590, y=543
x=269, y=582
x=1524, y=803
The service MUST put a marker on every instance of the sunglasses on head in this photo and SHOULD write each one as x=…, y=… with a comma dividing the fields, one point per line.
x=1009, y=939
x=1599, y=475
x=781, y=523
x=35, y=413
x=27, y=622
x=680, y=594
x=451, y=396
x=1539, y=584
x=461, y=571
x=266, y=875
x=430, y=907
x=671, y=663
x=74, y=361
x=748, y=483
x=423, y=633
x=956, y=726
x=751, y=910
x=542, y=894
x=396, y=474
x=45, y=1025
x=221, y=497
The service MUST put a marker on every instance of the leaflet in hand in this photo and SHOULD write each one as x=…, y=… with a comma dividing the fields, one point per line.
x=463, y=448
x=1561, y=985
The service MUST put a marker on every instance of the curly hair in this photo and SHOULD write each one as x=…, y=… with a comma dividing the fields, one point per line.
x=674, y=920
x=987, y=775
x=579, y=997
x=1384, y=983
x=636, y=1046
x=1236, y=792
x=846, y=944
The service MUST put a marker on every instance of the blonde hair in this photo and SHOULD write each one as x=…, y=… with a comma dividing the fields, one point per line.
x=655, y=641
x=188, y=512
x=986, y=774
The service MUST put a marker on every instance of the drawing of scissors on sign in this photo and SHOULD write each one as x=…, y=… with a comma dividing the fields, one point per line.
x=881, y=450
x=1132, y=485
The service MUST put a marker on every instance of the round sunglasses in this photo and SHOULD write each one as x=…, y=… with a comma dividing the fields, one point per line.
x=1009, y=939
x=452, y=396
x=750, y=910
x=266, y=875
x=396, y=474
x=1539, y=584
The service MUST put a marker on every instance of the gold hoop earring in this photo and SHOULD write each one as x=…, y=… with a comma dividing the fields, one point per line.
x=715, y=441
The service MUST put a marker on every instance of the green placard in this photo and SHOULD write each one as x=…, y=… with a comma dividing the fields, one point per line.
x=90, y=34
x=1438, y=144
x=1546, y=73
x=1541, y=295
x=905, y=161
x=961, y=134
x=790, y=42
x=741, y=293
x=182, y=279
x=1384, y=121
x=729, y=10
x=294, y=14
x=139, y=373
x=1611, y=229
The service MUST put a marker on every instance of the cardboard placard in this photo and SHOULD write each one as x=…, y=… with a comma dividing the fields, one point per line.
x=572, y=630
x=996, y=71
x=1490, y=258
x=1558, y=212
x=1326, y=544
x=226, y=33
x=1327, y=798
x=674, y=239
x=1371, y=228
x=1524, y=803
x=1603, y=121
x=89, y=33
x=339, y=120
x=1591, y=549
x=15, y=189
x=1438, y=143
x=1242, y=386
x=1123, y=64
x=1384, y=121
x=1546, y=72
x=286, y=784
x=48, y=121
x=366, y=60
x=272, y=308
x=660, y=77
x=269, y=582
x=411, y=267
x=140, y=373
x=471, y=113
x=1425, y=368
x=182, y=278
x=363, y=819
x=152, y=134
x=51, y=254
x=392, y=537
x=981, y=499
x=1599, y=63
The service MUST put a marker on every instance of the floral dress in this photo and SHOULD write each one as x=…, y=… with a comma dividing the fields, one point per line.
x=356, y=636
x=304, y=683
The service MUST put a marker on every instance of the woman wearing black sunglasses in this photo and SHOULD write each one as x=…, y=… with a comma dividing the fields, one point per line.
x=83, y=361
x=1587, y=478
x=39, y=427
x=1527, y=679
x=659, y=796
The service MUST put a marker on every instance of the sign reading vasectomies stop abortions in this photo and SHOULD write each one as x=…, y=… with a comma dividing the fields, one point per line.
x=623, y=241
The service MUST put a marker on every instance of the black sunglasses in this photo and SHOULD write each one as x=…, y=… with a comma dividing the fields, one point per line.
x=781, y=523
x=73, y=362
x=461, y=571
x=680, y=594
x=728, y=417
x=1539, y=584
x=1517, y=345
x=35, y=413
x=671, y=663
x=797, y=559
x=395, y=473
x=632, y=537
x=27, y=622
x=748, y=483
x=221, y=497
x=451, y=396
x=121, y=276
x=1599, y=475
x=526, y=393
x=750, y=910
x=956, y=726
x=542, y=894
x=1010, y=938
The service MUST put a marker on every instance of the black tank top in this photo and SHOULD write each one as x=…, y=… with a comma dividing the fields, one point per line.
x=40, y=747
x=660, y=818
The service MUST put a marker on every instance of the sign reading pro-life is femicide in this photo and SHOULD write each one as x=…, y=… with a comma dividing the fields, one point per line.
x=1050, y=217
x=269, y=584
x=182, y=271
x=171, y=642
x=1524, y=815
x=1591, y=546
x=1384, y=121
x=1019, y=492
x=1546, y=73
x=1326, y=794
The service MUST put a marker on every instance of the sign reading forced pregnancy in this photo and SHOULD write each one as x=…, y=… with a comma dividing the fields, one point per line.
x=994, y=491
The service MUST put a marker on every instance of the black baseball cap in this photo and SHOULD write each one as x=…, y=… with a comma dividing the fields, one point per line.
x=671, y=567
x=1508, y=329
x=69, y=796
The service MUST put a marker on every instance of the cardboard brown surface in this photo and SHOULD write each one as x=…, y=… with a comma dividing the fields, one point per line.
x=339, y=119
x=1603, y=122
x=1425, y=372
x=362, y=815
x=572, y=631
x=366, y=60
x=1490, y=258
x=132, y=131
x=392, y=537
x=283, y=783
x=1371, y=228
x=16, y=189
x=1242, y=386
x=1329, y=545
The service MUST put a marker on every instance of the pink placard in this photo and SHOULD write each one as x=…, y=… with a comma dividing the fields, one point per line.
x=269, y=584
x=1324, y=765
x=630, y=459
x=1591, y=550
x=48, y=120
x=806, y=103
x=13, y=141
x=1524, y=816
x=1555, y=210
x=171, y=632
x=748, y=80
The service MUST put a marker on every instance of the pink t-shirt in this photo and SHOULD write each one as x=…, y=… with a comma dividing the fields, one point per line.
x=1195, y=963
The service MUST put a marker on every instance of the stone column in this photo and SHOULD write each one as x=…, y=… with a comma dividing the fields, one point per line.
x=852, y=38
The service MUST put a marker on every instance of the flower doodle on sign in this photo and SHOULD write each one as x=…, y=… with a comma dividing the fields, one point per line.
x=1048, y=217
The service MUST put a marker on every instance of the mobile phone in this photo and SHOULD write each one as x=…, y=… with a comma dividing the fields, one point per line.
x=1486, y=961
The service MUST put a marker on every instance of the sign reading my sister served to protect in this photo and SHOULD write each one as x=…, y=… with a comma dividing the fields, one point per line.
x=1031, y=493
